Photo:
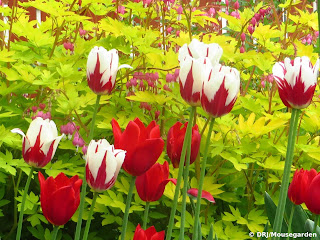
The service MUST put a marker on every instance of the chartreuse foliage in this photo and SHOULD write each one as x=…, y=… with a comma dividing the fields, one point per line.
x=247, y=148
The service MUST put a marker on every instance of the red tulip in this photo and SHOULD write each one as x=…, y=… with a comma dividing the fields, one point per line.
x=149, y=234
x=296, y=80
x=299, y=186
x=143, y=145
x=220, y=90
x=59, y=197
x=175, y=141
x=151, y=184
x=313, y=196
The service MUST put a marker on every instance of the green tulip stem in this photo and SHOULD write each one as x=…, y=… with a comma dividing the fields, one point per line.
x=145, y=216
x=202, y=174
x=286, y=173
x=181, y=165
x=185, y=182
x=24, y=197
x=86, y=231
x=316, y=220
x=55, y=232
x=290, y=219
x=84, y=182
x=126, y=213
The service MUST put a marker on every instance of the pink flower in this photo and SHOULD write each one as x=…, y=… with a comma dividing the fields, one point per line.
x=236, y=5
x=206, y=195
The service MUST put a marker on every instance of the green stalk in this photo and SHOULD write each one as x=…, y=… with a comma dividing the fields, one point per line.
x=145, y=216
x=290, y=219
x=86, y=231
x=26, y=188
x=202, y=174
x=286, y=174
x=126, y=213
x=315, y=227
x=55, y=232
x=185, y=181
x=181, y=164
x=84, y=182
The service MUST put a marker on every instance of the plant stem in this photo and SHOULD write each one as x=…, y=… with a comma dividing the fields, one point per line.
x=185, y=179
x=145, y=216
x=84, y=183
x=26, y=188
x=203, y=171
x=126, y=213
x=287, y=169
x=181, y=164
x=290, y=219
x=86, y=231
x=55, y=232
x=315, y=226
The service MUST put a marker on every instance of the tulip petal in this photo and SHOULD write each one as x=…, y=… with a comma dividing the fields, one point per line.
x=144, y=156
x=62, y=206
x=194, y=192
x=124, y=66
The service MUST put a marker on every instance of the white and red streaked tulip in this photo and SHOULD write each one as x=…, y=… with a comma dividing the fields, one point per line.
x=103, y=164
x=102, y=68
x=197, y=49
x=40, y=143
x=191, y=77
x=220, y=90
x=296, y=80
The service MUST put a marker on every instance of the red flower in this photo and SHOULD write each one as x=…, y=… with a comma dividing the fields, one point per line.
x=313, y=196
x=59, y=197
x=296, y=80
x=299, y=186
x=143, y=145
x=151, y=184
x=220, y=90
x=149, y=234
x=175, y=141
x=206, y=195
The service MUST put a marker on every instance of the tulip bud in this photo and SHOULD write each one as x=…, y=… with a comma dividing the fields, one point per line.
x=312, y=196
x=175, y=139
x=102, y=68
x=148, y=234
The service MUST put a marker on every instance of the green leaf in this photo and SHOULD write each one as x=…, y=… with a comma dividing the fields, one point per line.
x=271, y=209
x=309, y=225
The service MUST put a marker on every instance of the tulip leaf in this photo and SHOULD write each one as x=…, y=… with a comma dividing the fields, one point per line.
x=299, y=217
x=309, y=225
x=271, y=209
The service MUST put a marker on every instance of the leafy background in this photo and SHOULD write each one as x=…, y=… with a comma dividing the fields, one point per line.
x=248, y=145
